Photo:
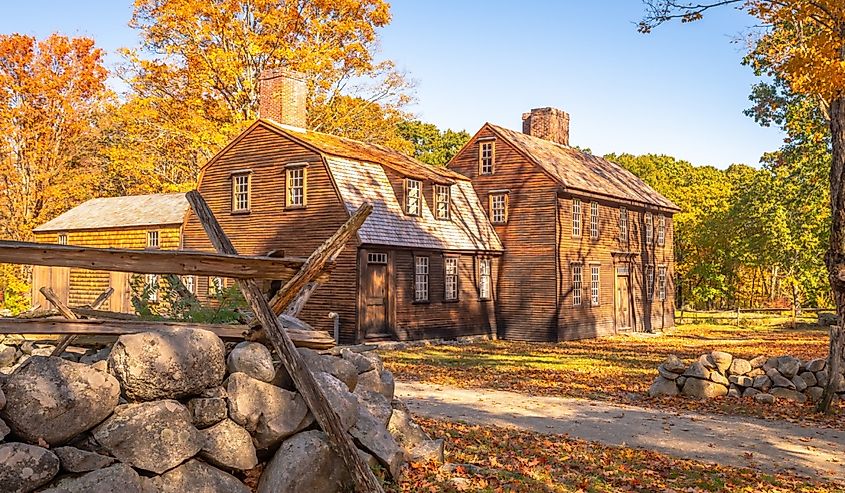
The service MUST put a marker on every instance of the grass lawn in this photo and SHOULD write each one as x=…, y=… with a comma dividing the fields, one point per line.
x=499, y=459
x=618, y=368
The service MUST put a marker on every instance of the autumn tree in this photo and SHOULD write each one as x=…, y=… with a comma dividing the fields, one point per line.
x=194, y=79
x=803, y=44
x=430, y=144
x=51, y=94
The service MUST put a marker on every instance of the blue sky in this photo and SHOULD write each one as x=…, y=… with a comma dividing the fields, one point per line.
x=679, y=91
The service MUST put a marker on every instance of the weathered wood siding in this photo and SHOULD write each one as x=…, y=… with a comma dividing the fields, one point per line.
x=85, y=285
x=608, y=251
x=526, y=304
x=270, y=226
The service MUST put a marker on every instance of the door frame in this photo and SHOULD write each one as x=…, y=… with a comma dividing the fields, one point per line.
x=389, y=295
x=625, y=260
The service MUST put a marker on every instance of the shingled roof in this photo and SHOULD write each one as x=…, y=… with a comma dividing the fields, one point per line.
x=578, y=170
x=121, y=212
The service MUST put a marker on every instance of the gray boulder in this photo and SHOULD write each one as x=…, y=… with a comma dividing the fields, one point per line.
x=764, y=398
x=821, y=377
x=696, y=387
x=674, y=364
x=4, y=430
x=762, y=382
x=168, y=365
x=2, y=398
x=663, y=386
x=339, y=368
x=665, y=373
x=788, y=366
x=373, y=437
x=779, y=380
x=739, y=366
x=362, y=363
x=809, y=378
x=697, y=370
x=719, y=378
x=815, y=365
x=750, y=392
x=741, y=380
x=799, y=383
x=78, y=460
x=269, y=413
x=415, y=442
x=305, y=463
x=8, y=355
x=119, y=478
x=25, y=467
x=252, y=358
x=734, y=391
x=722, y=360
x=790, y=394
x=340, y=399
x=54, y=400
x=229, y=446
x=153, y=436
x=93, y=356
x=377, y=381
x=758, y=362
x=197, y=476
x=206, y=411
x=377, y=404
x=814, y=393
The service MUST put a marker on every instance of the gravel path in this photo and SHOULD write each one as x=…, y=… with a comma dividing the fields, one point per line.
x=774, y=446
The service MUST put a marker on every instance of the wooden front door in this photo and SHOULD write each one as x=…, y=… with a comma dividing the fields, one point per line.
x=623, y=297
x=375, y=296
x=55, y=278
x=121, y=299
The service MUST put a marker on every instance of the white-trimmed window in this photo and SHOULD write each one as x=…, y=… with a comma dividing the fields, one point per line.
x=623, y=224
x=442, y=201
x=594, y=220
x=450, y=265
x=61, y=239
x=241, y=186
x=649, y=228
x=420, y=278
x=296, y=185
x=412, y=197
x=215, y=286
x=153, y=239
x=649, y=282
x=661, y=230
x=576, y=218
x=485, y=279
x=377, y=258
x=151, y=286
x=661, y=283
x=188, y=282
x=577, y=279
x=498, y=207
x=595, y=284
x=486, y=156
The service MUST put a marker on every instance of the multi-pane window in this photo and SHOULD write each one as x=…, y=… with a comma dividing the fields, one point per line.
x=451, y=279
x=296, y=186
x=215, y=286
x=188, y=282
x=485, y=282
x=576, y=284
x=442, y=198
x=62, y=239
x=649, y=228
x=240, y=192
x=594, y=220
x=649, y=282
x=151, y=287
x=420, y=278
x=153, y=239
x=498, y=208
x=661, y=283
x=486, y=154
x=661, y=230
x=595, y=286
x=623, y=224
x=576, y=218
x=377, y=258
x=412, y=197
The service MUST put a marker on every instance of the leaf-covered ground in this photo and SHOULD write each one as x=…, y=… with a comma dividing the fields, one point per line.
x=618, y=368
x=497, y=459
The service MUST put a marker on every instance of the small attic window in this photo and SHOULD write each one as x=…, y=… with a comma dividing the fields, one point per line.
x=62, y=239
x=296, y=177
x=412, y=197
x=153, y=239
x=486, y=156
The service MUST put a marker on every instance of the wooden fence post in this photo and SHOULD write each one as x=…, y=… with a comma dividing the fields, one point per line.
x=65, y=311
x=364, y=479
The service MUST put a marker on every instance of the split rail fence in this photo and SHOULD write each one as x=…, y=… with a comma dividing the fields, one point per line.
x=275, y=320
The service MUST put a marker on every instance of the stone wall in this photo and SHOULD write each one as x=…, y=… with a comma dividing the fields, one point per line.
x=764, y=379
x=180, y=411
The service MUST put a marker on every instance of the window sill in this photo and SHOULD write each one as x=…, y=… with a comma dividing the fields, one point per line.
x=485, y=300
x=243, y=212
x=452, y=301
x=295, y=207
x=421, y=302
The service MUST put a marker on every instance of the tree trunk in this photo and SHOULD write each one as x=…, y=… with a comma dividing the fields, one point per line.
x=835, y=258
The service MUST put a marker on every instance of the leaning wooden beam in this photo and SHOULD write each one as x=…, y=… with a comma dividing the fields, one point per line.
x=149, y=261
x=91, y=327
x=363, y=478
x=66, y=312
x=101, y=300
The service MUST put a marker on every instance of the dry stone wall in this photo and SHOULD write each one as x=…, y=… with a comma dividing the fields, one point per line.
x=764, y=379
x=178, y=411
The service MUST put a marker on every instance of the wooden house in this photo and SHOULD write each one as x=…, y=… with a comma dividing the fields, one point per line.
x=588, y=245
x=136, y=222
x=423, y=265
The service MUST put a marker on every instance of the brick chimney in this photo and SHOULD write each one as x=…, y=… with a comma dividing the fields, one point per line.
x=282, y=95
x=547, y=123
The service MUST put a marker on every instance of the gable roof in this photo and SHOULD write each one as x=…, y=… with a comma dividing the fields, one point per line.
x=121, y=212
x=578, y=170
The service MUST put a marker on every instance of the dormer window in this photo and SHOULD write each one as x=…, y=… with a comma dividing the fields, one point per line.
x=442, y=200
x=486, y=156
x=412, y=197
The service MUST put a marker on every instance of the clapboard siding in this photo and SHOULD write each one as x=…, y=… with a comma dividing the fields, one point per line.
x=526, y=302
x=270, y=226
x=85, y=285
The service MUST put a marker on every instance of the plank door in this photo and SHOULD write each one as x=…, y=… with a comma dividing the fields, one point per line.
x=374, y=322
x=121, y=299
x=55, y=278
x=622, y=298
